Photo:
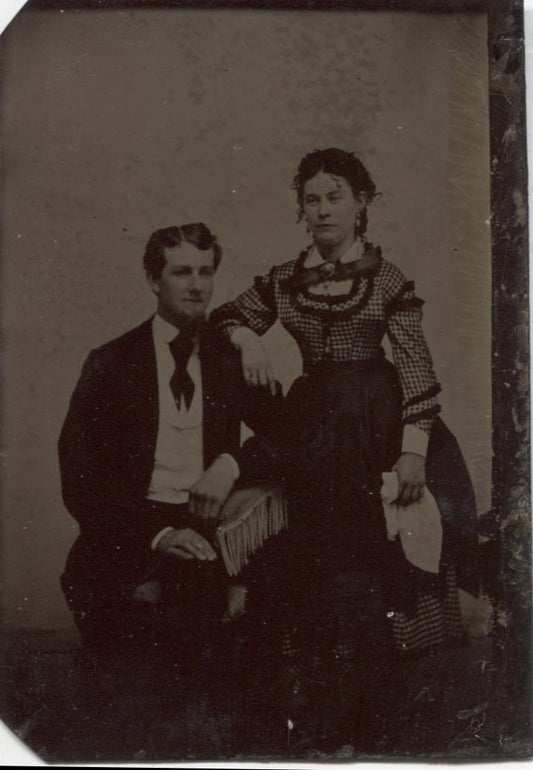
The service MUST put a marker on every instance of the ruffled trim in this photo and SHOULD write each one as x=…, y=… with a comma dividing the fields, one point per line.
x=353, y=302
x=401, y=302
x=423, y=415
x=429, y=393
x=265, y=290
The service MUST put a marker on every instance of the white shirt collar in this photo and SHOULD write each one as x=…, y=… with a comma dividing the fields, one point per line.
x=163, y=330
x=315, y=258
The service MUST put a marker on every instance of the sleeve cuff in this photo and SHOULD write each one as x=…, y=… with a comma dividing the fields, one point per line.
x=234, y=464
x=415, y=440
x=158, y=537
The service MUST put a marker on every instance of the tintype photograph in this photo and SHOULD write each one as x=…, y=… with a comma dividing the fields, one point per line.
x=265, y=404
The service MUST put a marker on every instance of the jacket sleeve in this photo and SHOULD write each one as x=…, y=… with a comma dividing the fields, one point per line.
x=255, y=308
x=83, y=440
x=410, y=352
x=89, y=460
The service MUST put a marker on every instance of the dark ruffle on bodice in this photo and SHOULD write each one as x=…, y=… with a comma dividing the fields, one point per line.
x=348, y=327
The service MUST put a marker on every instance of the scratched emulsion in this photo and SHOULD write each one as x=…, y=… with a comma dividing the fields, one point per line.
x=119, y=122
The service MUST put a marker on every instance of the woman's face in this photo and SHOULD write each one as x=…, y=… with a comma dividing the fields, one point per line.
x=330, y=209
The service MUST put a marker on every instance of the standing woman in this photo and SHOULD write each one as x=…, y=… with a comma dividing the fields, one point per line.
x=351, y=596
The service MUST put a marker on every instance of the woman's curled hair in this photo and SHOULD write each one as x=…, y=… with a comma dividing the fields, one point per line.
x=339, y=163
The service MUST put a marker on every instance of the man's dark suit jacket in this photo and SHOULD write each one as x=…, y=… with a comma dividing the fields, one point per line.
x=107, y=447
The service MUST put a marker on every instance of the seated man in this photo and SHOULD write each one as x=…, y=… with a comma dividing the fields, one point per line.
x=150, y=449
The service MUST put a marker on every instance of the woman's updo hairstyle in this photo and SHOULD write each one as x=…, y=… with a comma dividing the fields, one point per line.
x=338, y=163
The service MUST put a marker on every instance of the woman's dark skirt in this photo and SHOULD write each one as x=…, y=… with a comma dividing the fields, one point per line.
x=341, y=429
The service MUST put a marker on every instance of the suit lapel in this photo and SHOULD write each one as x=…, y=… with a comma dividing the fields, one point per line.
x=142, y=386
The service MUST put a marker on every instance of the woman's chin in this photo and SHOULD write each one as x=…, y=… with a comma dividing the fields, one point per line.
x=326, y=240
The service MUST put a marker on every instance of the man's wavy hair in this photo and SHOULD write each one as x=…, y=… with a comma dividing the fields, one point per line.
x=197, y=234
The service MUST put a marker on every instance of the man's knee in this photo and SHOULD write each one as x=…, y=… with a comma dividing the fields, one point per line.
x=118, y=625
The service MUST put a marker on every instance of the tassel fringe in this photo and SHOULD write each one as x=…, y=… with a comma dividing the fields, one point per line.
x=251, y=516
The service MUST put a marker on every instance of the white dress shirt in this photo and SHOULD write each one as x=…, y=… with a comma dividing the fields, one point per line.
x=178, y=461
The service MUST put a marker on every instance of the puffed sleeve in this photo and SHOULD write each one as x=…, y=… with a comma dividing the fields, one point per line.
x=255, y=308
x=403, y=311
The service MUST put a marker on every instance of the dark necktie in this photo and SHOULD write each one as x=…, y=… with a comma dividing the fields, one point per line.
x=181, y=382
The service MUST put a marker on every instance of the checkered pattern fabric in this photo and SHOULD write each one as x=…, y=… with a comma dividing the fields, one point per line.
x=436, y=622
x=348, y=327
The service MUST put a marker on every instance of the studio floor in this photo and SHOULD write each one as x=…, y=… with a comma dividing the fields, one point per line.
x=70, y=708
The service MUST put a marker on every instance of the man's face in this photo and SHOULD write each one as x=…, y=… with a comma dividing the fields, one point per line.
x=185, y=285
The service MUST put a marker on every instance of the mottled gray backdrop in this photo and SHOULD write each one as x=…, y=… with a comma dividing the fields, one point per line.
x=119, y=122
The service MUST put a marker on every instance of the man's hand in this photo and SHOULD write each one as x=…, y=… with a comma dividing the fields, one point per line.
x=210, y=492
x=411, y=470
x=186, y=544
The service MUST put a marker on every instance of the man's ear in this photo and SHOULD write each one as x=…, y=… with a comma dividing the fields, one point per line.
x=153, y=283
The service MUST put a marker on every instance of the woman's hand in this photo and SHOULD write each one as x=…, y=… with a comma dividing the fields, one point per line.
x=256, y=366
x=411, y=471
